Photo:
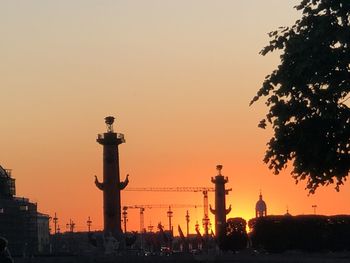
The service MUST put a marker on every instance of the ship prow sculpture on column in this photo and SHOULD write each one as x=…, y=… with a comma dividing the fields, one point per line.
x=220, y=210
x=111, y=184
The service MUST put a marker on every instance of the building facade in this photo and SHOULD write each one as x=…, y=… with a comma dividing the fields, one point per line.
x=26, y=230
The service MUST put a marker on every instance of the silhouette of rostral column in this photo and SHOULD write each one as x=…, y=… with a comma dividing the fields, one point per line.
x=220, y=210
x=111, y=184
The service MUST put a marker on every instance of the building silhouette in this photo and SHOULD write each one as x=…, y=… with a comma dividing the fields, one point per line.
x=21, y=224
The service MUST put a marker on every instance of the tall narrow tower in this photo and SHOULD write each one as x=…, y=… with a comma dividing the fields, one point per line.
x=111, y=184
x=220, y=210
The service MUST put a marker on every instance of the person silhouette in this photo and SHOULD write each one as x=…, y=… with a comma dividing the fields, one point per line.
x=5, y=256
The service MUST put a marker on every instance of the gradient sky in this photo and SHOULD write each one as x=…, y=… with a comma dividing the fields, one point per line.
x=178, y=75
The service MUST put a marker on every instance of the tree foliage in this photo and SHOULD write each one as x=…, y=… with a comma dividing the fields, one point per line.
x=304, y=232
x=236, y=235
x=307, y=95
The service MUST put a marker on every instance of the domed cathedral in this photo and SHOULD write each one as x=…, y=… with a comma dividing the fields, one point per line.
x=260, y=207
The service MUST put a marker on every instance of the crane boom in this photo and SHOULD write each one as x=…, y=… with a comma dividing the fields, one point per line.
x=172, y=189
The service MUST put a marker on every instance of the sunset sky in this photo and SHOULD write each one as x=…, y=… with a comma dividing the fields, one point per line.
x=178, y=76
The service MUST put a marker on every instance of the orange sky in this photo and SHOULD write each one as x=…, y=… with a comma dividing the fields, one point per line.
x=178, y=75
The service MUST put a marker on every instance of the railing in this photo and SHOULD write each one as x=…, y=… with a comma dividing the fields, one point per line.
x=102, y=136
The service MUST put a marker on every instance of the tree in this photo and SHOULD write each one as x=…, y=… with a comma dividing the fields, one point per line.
x=236, y=235
x=307, y=95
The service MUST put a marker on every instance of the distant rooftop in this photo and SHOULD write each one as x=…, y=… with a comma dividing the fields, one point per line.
x=7, y=184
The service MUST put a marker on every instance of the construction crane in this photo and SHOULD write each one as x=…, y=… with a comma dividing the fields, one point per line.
x=142, y=210
x=125, y=215
x=203, y=190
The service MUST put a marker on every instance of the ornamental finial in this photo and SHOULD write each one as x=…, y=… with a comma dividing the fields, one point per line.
x=109, y=120
x=219, y=168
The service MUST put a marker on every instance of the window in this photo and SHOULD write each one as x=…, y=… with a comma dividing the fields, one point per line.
x=23, y=208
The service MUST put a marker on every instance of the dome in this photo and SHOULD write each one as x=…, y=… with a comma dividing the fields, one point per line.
x=287, y=213
x=260, y=207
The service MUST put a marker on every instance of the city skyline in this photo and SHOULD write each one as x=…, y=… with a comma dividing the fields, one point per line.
x=177, y=75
